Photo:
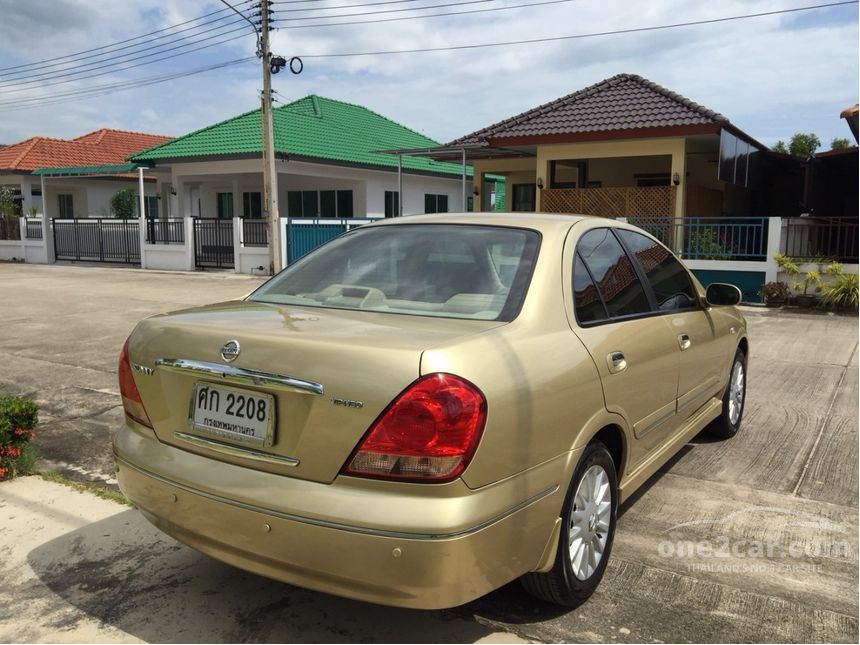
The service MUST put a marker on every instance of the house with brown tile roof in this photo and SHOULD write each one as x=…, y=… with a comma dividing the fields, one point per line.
x=627, y=146
x=78, y=196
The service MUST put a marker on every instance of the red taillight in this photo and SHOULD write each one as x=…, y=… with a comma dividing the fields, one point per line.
x=428, y=433
x=131, y=401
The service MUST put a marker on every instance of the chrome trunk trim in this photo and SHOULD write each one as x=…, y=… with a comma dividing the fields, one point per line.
x=239, y=375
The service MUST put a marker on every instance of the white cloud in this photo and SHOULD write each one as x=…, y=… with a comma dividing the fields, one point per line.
x=771, y=76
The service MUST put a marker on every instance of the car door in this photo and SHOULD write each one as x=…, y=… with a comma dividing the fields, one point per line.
x=634, y=349
x=702, y=357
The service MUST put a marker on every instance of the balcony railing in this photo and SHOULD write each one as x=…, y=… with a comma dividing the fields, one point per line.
x=710, y=238
x=34, y=229
x=165, y=231
x=254, y=232
x=610, y=202
x=820, y=239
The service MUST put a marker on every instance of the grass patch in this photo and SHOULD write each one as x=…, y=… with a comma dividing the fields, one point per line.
x=84, y=487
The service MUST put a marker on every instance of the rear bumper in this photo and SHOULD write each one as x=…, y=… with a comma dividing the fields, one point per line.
x=447, y=561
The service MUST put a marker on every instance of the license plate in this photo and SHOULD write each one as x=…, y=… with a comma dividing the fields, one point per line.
x=235, y=414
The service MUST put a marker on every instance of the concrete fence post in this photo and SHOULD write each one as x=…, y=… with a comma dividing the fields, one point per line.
x=142, y=239
x=189, y=243
x=774, y=232
x=237, y=245
x=48, y=234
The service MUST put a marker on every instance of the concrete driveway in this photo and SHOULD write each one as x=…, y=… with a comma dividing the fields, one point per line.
x=752, y=539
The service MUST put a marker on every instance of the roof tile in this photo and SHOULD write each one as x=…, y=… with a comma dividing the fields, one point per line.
x=625, y=101
x=102, y=147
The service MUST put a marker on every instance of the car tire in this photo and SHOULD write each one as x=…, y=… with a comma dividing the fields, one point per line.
x=727, y=424
x=574, y=577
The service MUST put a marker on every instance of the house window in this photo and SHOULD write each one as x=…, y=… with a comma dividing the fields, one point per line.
x=524, y=198
x=392, y=203
x=252, y=205
x=435, y=203
x=224, y=203
x=67, y=207
x=567, y=174
x=323, y=203
x=150, y=206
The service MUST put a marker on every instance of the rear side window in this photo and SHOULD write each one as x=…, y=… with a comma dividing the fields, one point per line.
x=613, y=273
x=669, y=280
x=589, y=307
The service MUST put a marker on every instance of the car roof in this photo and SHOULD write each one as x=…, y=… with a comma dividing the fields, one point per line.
x=538, y=221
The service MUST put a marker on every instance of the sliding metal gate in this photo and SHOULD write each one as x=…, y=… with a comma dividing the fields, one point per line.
x=97, y=240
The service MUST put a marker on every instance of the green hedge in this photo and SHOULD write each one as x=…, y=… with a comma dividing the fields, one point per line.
x=18, y=417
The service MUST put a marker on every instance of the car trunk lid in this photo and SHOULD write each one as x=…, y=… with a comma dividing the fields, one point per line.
x=329, y=374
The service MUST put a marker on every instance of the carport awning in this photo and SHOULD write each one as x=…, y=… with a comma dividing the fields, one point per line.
x=88, y=171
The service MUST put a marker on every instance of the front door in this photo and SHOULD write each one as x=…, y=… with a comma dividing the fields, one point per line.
x=702, y=358
x=523, y=198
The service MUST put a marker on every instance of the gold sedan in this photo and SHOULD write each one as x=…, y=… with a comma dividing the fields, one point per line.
x=427, y=408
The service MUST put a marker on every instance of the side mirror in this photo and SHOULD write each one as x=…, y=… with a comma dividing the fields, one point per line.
x=720, y=295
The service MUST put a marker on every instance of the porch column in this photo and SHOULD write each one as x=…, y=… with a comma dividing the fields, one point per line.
x=399, y=185
x=463, y=179
x=679, y=168
x=26, y=197
x=47, y=226
x=237, y=198
x=141, y=201
x=44, y=196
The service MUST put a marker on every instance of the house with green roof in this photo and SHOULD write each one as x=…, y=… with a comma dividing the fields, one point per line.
x=329, y=161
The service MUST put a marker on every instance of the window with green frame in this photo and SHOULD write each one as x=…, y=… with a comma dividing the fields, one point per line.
x=224, y=203
x=252, y=205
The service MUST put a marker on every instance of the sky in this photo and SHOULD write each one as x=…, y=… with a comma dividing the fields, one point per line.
x=771, y=76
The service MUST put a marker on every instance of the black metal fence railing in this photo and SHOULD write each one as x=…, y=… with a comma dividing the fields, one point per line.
x=97, y=240
x=213, y=243
x=165, y=231
x=254, y=232
x=820, y=239
x=34, y=229
x=10, y=229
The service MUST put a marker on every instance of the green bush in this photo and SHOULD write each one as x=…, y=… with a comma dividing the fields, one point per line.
x=842, y=291
x=705, y=245
x=122, y=203
x=18, y=417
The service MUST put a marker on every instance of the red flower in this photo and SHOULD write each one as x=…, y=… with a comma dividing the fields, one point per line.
x=2, y=472
x=1, y=451
x=19, y=431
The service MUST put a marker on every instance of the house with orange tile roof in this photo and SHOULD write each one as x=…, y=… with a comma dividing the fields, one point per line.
x=79, y=194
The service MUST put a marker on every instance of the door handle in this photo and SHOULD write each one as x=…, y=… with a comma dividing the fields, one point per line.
x=684, y=341
x=616, y=362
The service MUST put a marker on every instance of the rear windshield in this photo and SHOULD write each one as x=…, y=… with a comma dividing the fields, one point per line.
x=452, y=271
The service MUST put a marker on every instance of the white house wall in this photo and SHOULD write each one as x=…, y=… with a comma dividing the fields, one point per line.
x=203, y=180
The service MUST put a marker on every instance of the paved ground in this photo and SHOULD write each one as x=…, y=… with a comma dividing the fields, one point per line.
x=753, y=539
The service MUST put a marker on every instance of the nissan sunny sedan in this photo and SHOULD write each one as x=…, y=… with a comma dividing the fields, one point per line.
x=430, y=407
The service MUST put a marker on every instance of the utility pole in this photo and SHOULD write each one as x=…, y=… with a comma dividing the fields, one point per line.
x=270, y=174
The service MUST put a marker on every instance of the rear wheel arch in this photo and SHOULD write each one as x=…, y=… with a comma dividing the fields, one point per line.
x=744, y=346
x=615, y=441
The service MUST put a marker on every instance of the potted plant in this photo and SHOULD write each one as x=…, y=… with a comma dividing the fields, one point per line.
x=775, y=294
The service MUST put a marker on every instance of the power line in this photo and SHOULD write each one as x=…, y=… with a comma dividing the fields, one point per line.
x=19, y=87
x=129, y=57
x=429, y=15
x=344, y=6
x=101, y=90
x=239, y=13
x=588, y=35
x=381, y=11
x=75, y=56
